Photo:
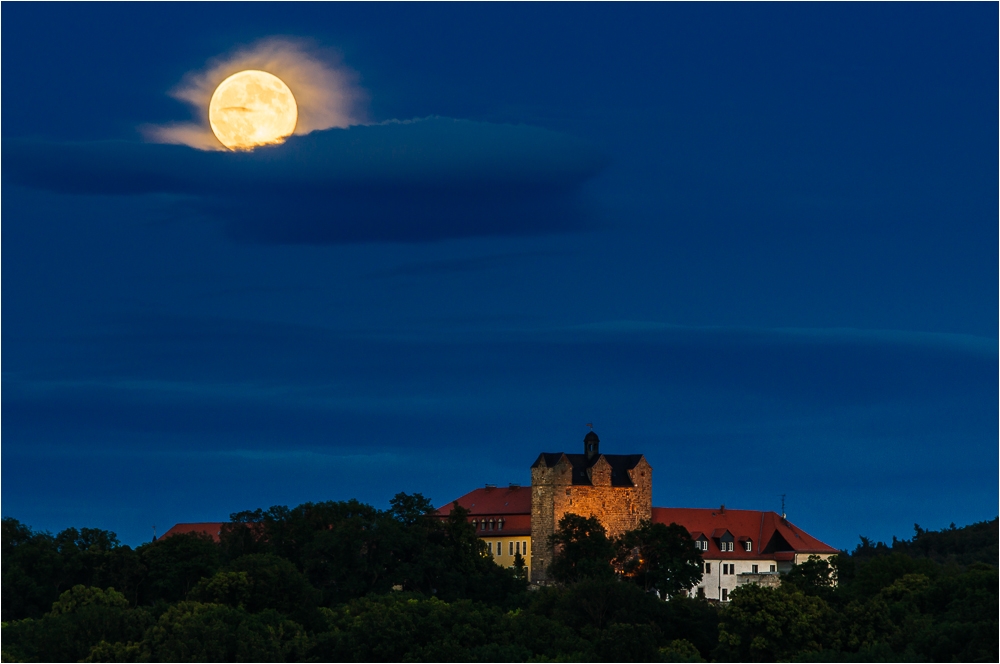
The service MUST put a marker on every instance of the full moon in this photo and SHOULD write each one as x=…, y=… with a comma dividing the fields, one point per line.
x=252, y=108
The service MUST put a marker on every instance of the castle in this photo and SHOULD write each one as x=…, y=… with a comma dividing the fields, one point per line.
x=737, y=546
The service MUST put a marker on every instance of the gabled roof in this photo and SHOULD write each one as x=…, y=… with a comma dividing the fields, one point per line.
x=210, y=528
x=769, y=534
x=580, y=463
x=489, y=501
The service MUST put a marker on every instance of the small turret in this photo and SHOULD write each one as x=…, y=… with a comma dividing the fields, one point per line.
x=591, y=445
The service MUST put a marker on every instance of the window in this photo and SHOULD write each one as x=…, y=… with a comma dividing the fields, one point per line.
x=772, y=568
x=482, y=526
x=500, y=526
x=524, y=548
x=748, y=545
x=725, y=569
x=517, y=547
x=753, y=569
x=708, y=568
x=474, y=523
x=729, y=546
x=511, y=548
x=725, y=595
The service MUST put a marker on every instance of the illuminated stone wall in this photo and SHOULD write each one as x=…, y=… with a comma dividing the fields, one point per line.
x=619, y=509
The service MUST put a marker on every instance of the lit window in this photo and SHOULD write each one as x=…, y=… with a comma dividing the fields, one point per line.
x=753, y=569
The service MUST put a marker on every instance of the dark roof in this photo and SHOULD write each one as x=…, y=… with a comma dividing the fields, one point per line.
x=212, y=529
x=591, y=436
x=769, y=534
x=499, y=501
x=620, y=465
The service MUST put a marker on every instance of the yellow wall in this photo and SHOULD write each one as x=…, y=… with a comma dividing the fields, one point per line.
x=505, y=558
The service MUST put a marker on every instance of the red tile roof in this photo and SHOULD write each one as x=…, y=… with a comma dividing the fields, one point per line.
x=768, y=533
x=209, y=528
x=512, y=504
x=499, y=501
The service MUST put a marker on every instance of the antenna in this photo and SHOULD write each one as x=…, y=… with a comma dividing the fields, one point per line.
x=782, y=506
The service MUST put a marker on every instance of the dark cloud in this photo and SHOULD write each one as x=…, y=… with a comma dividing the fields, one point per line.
x=401, y=181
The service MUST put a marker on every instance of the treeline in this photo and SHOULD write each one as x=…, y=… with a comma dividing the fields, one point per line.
x=343, y=581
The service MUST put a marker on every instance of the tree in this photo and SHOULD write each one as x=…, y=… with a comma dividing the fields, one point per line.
x=80, y=619
x=815, y=576
x=257, y=582
x=31, y=571
x=175, y=564
x=767, y=625
x=659, y=557
x=582, y=550
x=195, y=632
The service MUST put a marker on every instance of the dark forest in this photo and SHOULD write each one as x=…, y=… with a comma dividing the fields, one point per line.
x=344, y=581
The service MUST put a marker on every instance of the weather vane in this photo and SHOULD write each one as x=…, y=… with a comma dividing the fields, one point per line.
x=591, y=425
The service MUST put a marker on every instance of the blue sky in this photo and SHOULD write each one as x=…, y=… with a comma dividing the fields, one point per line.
x=757, y=243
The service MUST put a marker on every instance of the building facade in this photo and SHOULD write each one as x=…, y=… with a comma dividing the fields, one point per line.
x=615, y=488
x=737, y=546
x=742, y=546
x=502, y=519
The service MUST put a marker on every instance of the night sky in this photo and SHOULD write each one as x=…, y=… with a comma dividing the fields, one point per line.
x=756, y=243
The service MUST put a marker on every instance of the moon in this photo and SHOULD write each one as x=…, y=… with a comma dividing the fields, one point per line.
x=252, y=108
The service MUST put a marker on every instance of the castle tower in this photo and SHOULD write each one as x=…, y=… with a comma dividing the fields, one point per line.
x=615, y=488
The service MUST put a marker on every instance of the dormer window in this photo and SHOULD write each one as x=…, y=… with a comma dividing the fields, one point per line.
x=725, y=540
x=500, y=524
x=748, y=545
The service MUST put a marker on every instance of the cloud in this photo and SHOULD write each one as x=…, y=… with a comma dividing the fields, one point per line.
x=325, y=90
x=411, y=181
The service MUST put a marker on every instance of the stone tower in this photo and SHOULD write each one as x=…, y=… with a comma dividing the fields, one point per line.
x=615, y=488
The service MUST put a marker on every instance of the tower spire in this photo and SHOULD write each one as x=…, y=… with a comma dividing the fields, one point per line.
x=591, y=444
